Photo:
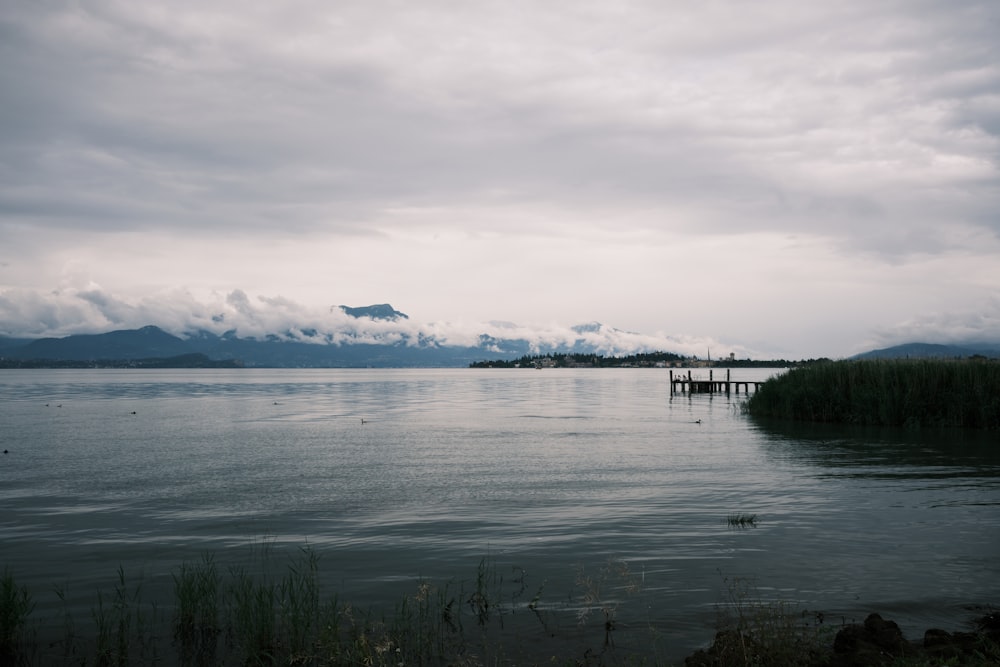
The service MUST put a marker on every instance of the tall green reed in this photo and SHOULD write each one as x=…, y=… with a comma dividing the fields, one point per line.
x=906, y=393
x=124, y=628
x=16, y=605
x=197, y=594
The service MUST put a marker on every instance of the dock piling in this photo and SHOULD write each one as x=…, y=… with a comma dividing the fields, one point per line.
x=688, y=384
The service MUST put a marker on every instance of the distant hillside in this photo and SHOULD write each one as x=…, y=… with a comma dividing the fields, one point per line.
x=12, y=343
x=153, y=343
x=195, y=360
x=933, y=351
x=145, y=343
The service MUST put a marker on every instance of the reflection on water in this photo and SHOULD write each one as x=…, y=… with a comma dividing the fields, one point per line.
x=546, y=472
x=886, y=451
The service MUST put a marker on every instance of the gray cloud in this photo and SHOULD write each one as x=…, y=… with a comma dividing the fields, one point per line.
x=982, y=326
x=868, y=129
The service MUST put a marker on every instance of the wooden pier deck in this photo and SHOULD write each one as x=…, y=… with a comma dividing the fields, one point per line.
x=687, y=384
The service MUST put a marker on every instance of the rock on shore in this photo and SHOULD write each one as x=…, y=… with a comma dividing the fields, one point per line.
x=877, y=641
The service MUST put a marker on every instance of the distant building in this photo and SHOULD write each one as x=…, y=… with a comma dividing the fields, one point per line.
x=545, y=362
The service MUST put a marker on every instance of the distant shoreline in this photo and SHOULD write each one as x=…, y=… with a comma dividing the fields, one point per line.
x=196, y=360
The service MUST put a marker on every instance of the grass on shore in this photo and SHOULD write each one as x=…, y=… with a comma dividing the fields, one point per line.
x=16, y=605
x=912, y=394
x=754, y=631
x=263, y=614
x=274, y=617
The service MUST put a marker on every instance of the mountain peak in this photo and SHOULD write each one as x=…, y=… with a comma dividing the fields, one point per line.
x=381, y=311
x=589, y=327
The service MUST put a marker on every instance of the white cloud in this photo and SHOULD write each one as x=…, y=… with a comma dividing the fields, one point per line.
x=94, y=310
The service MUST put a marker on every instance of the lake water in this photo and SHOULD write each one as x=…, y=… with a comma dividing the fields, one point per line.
x=548, y=474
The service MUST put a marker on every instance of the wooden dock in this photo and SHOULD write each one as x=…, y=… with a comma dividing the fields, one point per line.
x=686, y=384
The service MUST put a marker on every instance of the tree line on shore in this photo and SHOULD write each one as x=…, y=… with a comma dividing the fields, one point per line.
x=642, y=360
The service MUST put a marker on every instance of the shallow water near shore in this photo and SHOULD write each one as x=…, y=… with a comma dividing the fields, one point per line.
x=550, y=474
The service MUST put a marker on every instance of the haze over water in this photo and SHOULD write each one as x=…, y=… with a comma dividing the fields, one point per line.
x=548, y=473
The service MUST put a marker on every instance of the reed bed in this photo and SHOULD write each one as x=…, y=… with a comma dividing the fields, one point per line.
x=904, y=393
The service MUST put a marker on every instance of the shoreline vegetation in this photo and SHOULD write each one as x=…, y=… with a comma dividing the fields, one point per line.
x=922, y=393
x=640, y=360
x=266, y=614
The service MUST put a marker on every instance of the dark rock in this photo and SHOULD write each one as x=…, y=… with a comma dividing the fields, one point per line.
x=876, y=642
x=700, y=658
x=938, y=643
x=887, y=635
x=990, y=624
x=721, y=652
x=935, y=637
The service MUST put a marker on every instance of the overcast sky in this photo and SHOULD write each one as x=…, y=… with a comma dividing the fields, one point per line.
x=774, y=178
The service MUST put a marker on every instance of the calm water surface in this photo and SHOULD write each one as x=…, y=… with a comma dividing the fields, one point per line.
x=548, y=473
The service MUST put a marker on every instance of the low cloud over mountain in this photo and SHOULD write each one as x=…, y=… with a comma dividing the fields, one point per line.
x=947, y=328
x=230, y=325
x=237, y=316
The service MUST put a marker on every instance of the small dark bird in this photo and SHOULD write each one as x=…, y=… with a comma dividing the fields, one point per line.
x=6, y=452
x=697, y=421
x=363, y=421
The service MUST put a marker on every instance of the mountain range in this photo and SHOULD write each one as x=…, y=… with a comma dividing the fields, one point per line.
x=934, y=351
x=288, y=350
x=398, y=348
